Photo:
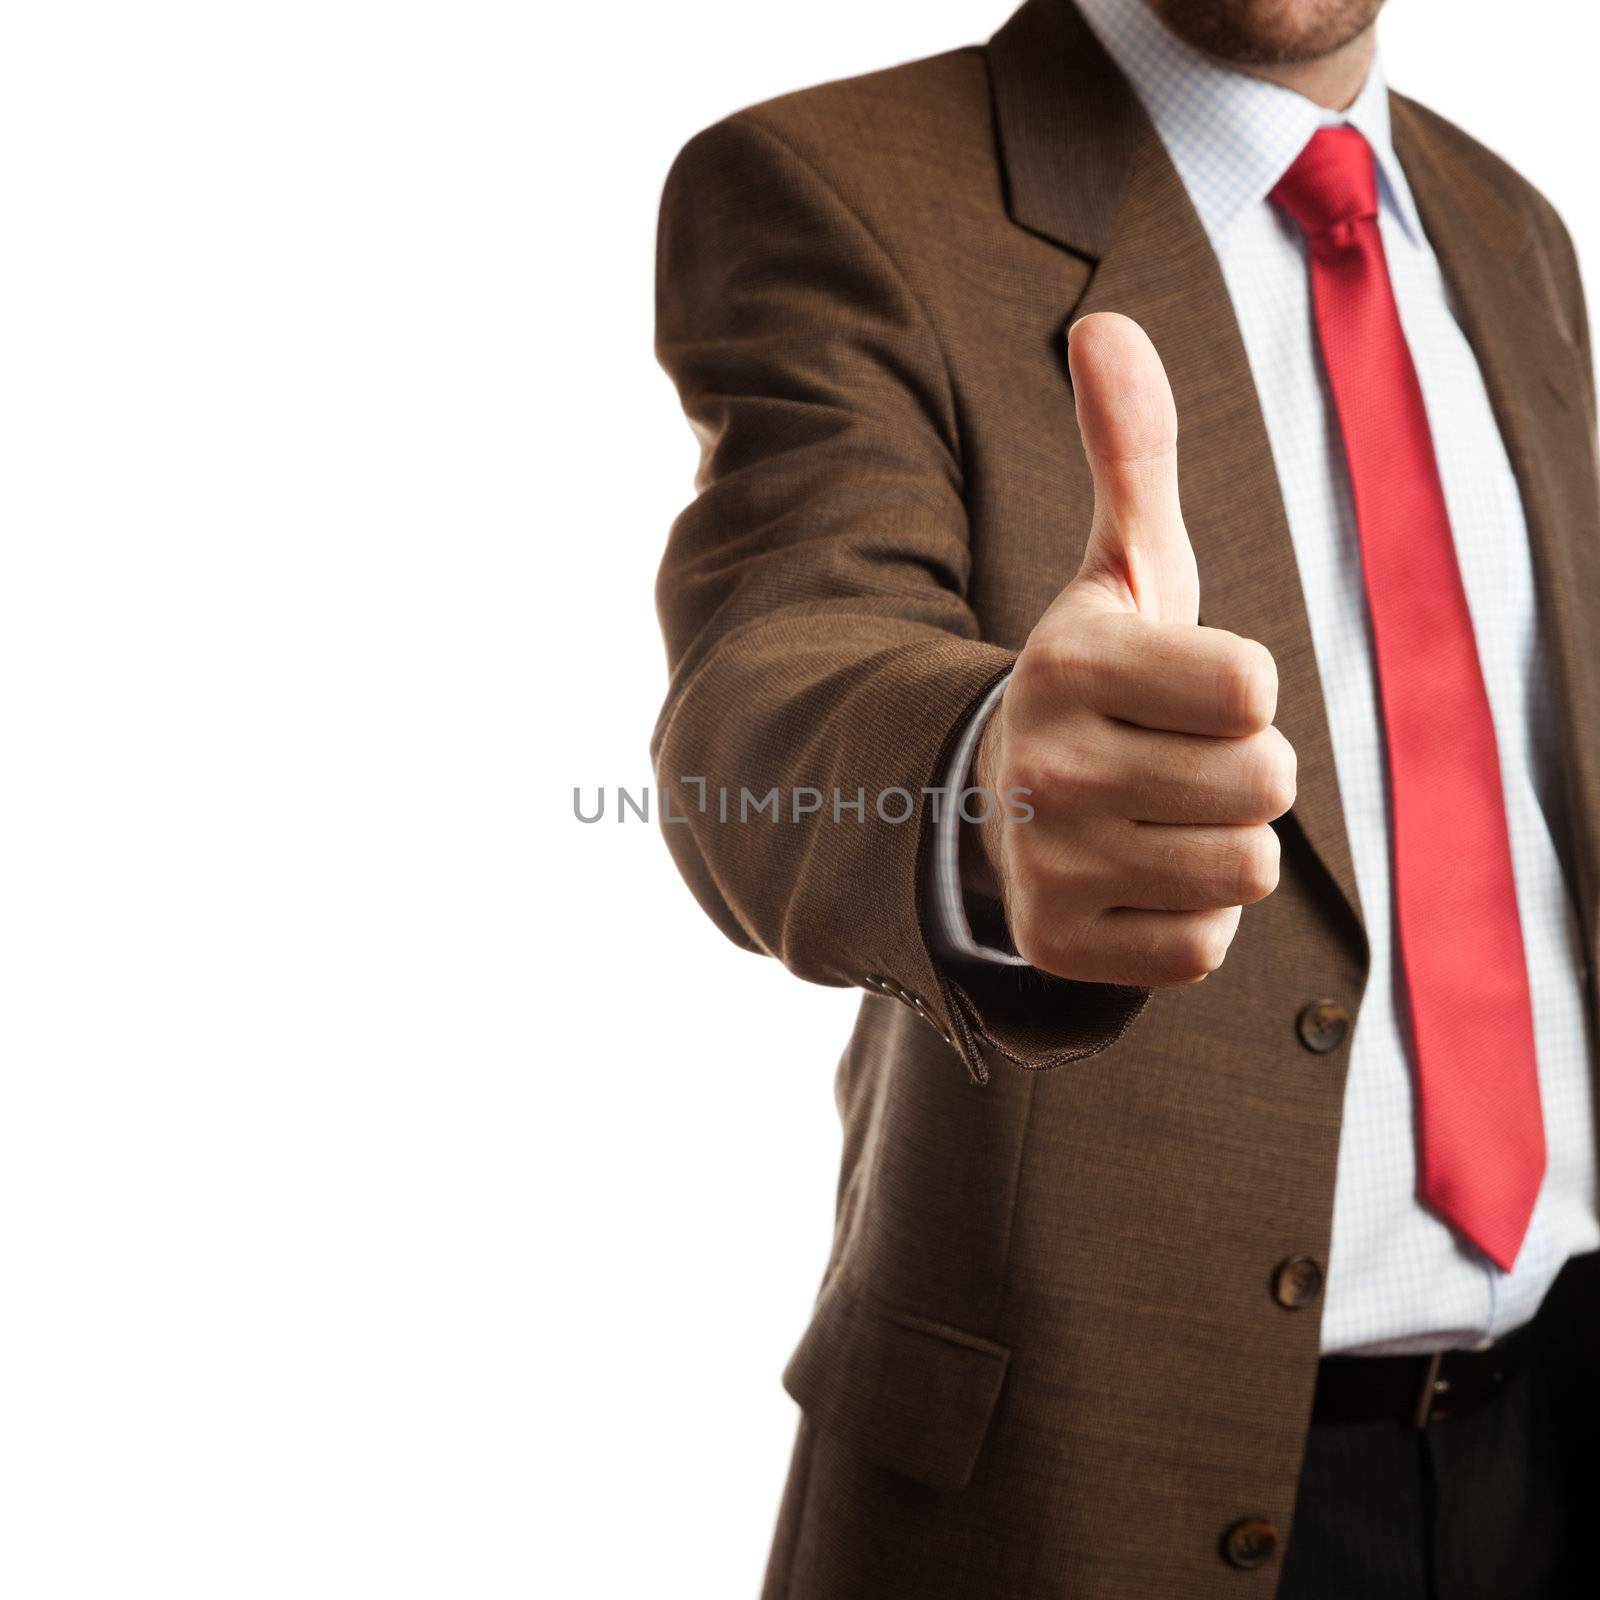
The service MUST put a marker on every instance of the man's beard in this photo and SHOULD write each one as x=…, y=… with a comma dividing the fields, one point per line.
x=1267, y=32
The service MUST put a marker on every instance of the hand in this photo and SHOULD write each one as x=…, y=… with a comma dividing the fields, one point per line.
x=1146, y=740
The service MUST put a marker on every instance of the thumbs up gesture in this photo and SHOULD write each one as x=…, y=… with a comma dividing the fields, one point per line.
x=1146, y=740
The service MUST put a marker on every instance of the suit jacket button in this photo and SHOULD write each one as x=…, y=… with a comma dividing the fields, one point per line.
x=1297, y=1282
x=1323, y=1025
x=1250, y=1542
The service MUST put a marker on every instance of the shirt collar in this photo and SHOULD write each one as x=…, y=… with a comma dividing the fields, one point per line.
x=1232, y=136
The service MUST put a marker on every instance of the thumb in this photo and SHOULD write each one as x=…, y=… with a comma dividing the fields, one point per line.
x=1138, y=547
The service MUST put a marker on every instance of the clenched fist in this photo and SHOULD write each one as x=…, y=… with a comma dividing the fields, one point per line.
x=1146, y=740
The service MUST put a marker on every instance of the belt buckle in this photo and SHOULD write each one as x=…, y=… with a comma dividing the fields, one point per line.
x=1433, y=1386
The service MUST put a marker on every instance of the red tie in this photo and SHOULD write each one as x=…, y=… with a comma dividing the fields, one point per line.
x=1481, y=1134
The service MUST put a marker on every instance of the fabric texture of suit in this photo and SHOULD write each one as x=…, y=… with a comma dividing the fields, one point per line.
x=1047, y=1359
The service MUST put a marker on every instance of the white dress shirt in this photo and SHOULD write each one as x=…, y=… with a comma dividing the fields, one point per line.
x=1399, y=1279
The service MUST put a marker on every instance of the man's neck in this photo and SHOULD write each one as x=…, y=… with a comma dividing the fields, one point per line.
x=1332, y=81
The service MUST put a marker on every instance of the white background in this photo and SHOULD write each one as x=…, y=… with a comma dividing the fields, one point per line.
x=403, y=1190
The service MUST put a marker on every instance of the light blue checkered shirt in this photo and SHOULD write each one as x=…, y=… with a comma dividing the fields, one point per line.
x=1399, y=1280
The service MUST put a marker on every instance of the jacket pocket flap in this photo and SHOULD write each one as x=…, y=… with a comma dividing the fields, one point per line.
x=910, y=1395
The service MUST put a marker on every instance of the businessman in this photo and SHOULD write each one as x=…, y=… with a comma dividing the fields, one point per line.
x=1161, y=461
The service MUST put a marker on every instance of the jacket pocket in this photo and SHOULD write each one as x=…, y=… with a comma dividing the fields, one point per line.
x=909, y=1395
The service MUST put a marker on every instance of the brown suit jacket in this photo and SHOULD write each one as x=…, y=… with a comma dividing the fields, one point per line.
x=1047, y=1359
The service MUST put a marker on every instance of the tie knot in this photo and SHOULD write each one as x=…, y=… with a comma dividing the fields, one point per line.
x=1333, y=180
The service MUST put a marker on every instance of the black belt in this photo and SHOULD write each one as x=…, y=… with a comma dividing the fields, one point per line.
x=1416, y=1390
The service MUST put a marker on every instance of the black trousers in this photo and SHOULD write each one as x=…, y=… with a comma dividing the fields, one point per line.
x=1502, y=1503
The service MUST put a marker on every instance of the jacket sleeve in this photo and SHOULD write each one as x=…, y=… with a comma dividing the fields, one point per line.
x=813, y=602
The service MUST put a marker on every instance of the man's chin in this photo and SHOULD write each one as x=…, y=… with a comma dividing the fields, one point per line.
x=1267, y=32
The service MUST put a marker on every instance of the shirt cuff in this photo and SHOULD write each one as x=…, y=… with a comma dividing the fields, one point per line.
x=951, y=928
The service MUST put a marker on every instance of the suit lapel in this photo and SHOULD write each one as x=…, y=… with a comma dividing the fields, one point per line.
x=1533, y=371
x=1086, y=169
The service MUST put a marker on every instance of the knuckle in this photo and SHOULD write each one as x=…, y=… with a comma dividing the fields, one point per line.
x=1025, y=936
x=1030, y=930
x=1042, y=941
x=1059, y=781
x=1032, y=669
x=1054, y=661
x=1076, y=659
x=1258, y=866
x=1076, y=655
x=1191, y=953
x=1048, y=780
x=1203, y=948
x=1247, y=686
x=1172, y=968
x=1277, y=776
